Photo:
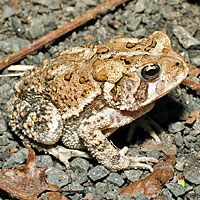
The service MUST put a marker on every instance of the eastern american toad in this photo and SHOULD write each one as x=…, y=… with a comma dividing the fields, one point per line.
x=85, y=94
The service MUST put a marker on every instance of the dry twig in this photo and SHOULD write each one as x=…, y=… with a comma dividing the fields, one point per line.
x=91, y=14
x=191, y=84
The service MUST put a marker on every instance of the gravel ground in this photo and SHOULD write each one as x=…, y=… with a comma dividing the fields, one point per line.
x=179, y=18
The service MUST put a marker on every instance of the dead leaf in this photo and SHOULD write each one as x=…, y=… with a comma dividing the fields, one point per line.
x=12, y=150
x=55, y=195
x=89, y=38
x=15, y=5
x=193, y=117
x=152, y=144
x=164, y=171
x=194, y=71
x=26, y=182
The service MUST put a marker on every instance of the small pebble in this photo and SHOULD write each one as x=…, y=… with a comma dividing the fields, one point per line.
x=185, y=38
x=115, y=179
x=98, y=172
x=178, y=139
x=176, y=189
x=176, y=127
x=192, y=175
x=80, y=166
x=133, y=174
x=140, y=6
x=44, y=161
x=57, y=177
x=196, y=125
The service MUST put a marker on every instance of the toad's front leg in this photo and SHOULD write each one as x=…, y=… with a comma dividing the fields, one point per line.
x=91, y=132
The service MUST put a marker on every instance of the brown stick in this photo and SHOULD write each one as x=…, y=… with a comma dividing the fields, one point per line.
x=191, y=84
x=91, y=14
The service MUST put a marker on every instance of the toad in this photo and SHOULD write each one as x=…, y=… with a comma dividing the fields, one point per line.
x=78, y=99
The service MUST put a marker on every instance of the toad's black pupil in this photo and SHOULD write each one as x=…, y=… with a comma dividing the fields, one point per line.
x=152, y=72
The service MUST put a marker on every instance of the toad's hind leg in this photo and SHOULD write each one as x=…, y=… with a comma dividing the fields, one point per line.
x=35, y=118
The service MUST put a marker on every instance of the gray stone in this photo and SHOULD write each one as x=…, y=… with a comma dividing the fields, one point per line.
x=44, y=161
x=90, y=189
x=140, y=6
x=154, y=153
x=51, y=4
x=133, y=153
x=57, y=177
x=4, y=91
x=13, y=44
x=17, y=26
x=41, y=25
x=197, y=189
x=176, y=189
x=124, y=197
x=74, y=186
x=133, y=174
x=32, y=59
x=190, y=141
x=3, y=126
x=41, y=57
x=116, y=179
x=168, y=12
x=133, y=23
x=196, y=125
x=192, y=175
x=139, y=33
x=3, y=140
x=91, y=2
x=139, y=196
x=98, y=172
x=100, y=190
x=102, y=33
x=185, y=38
x=16, y=159
x=178, y=139
x=196, y=61
x=173, y=2
x=80, y=166
x=125, y=15
x=180, y=164
x=194, y=133
x=167, y=194
x=152, y=8
x=77, y=197
x=7, y=12
x=176, y=127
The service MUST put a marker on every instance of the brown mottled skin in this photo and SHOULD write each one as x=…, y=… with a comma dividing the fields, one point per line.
x=86, y=93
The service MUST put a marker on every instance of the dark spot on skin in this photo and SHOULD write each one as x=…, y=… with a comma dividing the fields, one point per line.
x=177, y=63
x=130, y=45
x=67, y=76
x=127, y=62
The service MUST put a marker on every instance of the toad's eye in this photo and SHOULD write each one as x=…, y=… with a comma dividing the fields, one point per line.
x=151, y=71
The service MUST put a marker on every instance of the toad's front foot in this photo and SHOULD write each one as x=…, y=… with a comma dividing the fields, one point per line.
x=137, y=162
x=110, y=157
x=128, y=162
